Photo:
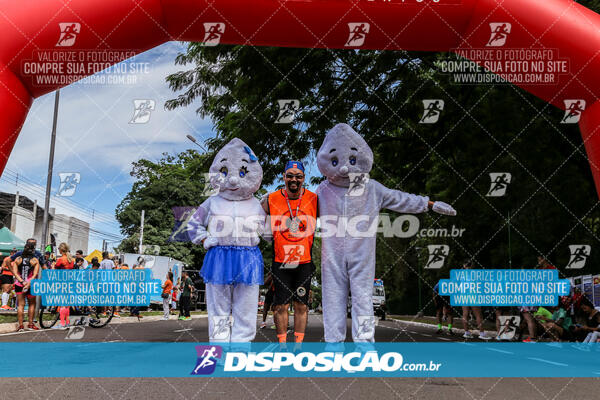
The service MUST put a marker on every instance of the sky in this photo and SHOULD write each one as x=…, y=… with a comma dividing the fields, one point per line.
x=96, y=139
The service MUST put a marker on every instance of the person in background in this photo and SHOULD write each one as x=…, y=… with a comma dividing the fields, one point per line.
x=32, y=243
x=25, y=268
x=442, y=308
x=95, y=263
x=135, y=311
x=167, y=287
x=175, y=297
x=65, y=261
x=79, y=262
x=49, y=260
x=106, y=262
x=6, y=280
x=79, y=254
x=558, y=327
x=268, y=303
x=124, y=266
x=185, y=298
x=592, y=320
x=476, y=312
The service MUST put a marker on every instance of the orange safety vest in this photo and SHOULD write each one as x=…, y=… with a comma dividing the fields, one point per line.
x=292, y=240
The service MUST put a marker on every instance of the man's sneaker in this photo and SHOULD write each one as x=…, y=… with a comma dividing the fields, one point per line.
x=263, y=325
x=116, y=315
x=468, y=335
x=188, y=318
x=5, y=307
x=450, y=332
x=33, y=327
x=439, y=331
x=498, y=338
x=529, y=340
x=181, y=318
x=483, y=335
x=57, y=326
x=20, y=328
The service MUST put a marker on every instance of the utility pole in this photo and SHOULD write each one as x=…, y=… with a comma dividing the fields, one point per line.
x=141, y=233
x=49, y=178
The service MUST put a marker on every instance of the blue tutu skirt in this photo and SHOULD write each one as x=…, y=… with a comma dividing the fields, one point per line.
x=232, y=265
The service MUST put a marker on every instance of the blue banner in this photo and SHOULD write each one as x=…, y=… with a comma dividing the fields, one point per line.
x=312, y=360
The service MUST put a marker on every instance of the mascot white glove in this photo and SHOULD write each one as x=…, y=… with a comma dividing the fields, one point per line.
x=210, y=242
x=443, y=208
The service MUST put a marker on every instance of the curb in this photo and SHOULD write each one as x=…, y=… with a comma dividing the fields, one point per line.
x=491, y=334
x=11, y=327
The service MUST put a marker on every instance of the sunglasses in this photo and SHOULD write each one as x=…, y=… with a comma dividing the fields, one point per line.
x=292, y=176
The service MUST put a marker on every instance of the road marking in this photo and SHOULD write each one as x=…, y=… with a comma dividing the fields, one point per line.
x=425, y=334
x=183, y=330
x=499, y=351
x=443, y=338
x=549, y=362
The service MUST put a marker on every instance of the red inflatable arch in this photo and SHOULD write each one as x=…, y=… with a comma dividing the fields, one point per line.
x=31, y=27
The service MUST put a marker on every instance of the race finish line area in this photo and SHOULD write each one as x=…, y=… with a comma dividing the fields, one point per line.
x=401, y=193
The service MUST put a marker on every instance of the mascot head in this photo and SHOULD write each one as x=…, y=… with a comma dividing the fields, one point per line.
x=236, y=171
x=343, y=152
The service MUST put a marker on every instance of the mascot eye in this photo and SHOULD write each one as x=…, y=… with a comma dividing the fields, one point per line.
x=223, y=170
x=334, y=161
x=352, y=160
x=243, y=172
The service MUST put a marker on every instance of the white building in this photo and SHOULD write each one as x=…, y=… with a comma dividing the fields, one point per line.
x=25, y=219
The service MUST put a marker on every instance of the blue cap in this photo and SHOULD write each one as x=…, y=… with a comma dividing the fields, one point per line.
x=294, y=164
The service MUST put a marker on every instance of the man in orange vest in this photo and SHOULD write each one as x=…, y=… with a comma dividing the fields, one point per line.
x=292, y=212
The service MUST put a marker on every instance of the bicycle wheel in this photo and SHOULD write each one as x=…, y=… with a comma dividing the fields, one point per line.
x=48, y=316
x=100, y=316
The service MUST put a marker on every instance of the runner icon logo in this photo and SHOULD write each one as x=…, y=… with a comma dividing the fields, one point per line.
x=181, y=228
x=212, y=33
x=221, y=327
x=508, y=326
x=358, y=33
x=579, y=255
x=499, y=34
x=437, y=255
x=75, y=333
x=287, y=110
x=207, y=359
x=68, y=183
x=300, y=291
x=141, y=111
x=358, y=183
x=68, y=33
x=432, y=109
x=573, y=110
x=499, y=184
x=366, y=327
x=293, y=253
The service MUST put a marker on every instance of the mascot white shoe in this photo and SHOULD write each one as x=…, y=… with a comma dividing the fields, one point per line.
x=228, y=224
x=348, y=257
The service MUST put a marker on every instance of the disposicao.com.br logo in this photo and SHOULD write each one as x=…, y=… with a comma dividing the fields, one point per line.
x=353, y=362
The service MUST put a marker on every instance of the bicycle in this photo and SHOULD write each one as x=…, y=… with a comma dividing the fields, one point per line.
x=97, y=319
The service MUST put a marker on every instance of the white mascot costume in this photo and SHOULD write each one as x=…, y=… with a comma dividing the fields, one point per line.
x=349, y=201
x=229, y=224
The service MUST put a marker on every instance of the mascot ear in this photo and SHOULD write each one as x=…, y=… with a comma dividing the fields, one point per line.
x=252, y=156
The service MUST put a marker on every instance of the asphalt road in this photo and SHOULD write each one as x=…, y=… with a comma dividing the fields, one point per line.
x=196, y=330
x=284, y=388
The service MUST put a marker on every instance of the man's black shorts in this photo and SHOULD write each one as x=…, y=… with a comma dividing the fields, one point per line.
x=292, y=284
x=6, y=279
x=269, y=296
